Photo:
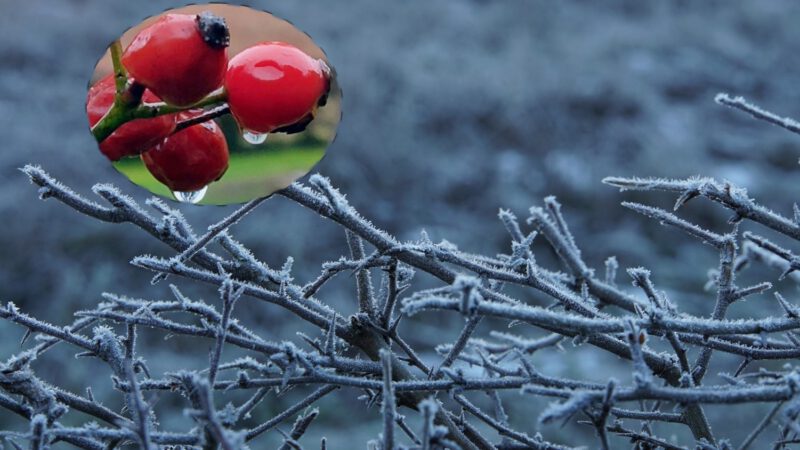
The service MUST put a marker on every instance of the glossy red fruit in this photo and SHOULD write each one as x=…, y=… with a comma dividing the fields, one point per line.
x=273, y=85
x=133, y=137
x=191, y=158
x=180, y=57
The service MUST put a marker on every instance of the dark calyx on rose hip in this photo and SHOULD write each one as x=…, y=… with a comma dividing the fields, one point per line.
x=180, y=57
x=213, y=29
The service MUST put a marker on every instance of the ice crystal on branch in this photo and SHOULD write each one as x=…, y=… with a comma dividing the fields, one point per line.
x=461, y=387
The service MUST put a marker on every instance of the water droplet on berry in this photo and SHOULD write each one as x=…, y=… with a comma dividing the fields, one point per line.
x=254, y=138
x=192, y=197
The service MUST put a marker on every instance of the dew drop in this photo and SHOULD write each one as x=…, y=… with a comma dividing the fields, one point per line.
x=254, y=138
x=192, y=197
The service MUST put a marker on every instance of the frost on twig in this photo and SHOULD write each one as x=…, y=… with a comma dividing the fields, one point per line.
x=743, y=105
x=467, y=396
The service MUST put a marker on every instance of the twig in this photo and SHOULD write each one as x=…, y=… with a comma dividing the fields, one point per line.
x=741, y=104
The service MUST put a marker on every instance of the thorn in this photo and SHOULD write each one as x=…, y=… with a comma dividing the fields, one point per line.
x=791, y=311
x=684, y=198
x=157, y=278
x=786, y=272
x=25, y=337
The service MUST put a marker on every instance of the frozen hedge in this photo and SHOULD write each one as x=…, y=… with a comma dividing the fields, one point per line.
x=365, y=354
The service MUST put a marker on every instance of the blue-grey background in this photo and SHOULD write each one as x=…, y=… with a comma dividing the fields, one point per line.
x=452, y=109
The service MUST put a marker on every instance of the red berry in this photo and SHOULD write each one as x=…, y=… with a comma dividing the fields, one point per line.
x=132, y=137
x=180, y=57
x=191, y=158
x=274, y=85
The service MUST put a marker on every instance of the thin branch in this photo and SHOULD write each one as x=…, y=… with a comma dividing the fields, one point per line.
x=741, y=104
x=294, y=409
x=388, y=402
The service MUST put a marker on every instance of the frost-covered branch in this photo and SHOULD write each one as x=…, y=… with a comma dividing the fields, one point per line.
x=743, y=105
x=372, y=352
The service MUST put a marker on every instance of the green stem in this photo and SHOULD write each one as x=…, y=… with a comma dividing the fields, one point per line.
x=120, y=113
x=120, y=74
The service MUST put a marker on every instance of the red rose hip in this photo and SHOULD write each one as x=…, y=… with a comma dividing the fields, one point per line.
x=191, y=158
x=180, y=57
x=274, y=85
x=132, y=137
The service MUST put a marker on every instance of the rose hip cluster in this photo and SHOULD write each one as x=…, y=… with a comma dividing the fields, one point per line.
x=177, y=66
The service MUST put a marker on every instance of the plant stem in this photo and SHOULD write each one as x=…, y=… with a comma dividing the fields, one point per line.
x=213, y=113
x=120, y=114
x=120, y=74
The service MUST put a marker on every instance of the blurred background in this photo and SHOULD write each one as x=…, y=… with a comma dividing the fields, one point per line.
x=452, y=109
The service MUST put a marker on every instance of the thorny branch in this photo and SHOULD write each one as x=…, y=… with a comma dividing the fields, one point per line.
x=367, y=352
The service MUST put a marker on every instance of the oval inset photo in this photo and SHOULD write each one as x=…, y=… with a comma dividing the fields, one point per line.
x=213, y=104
